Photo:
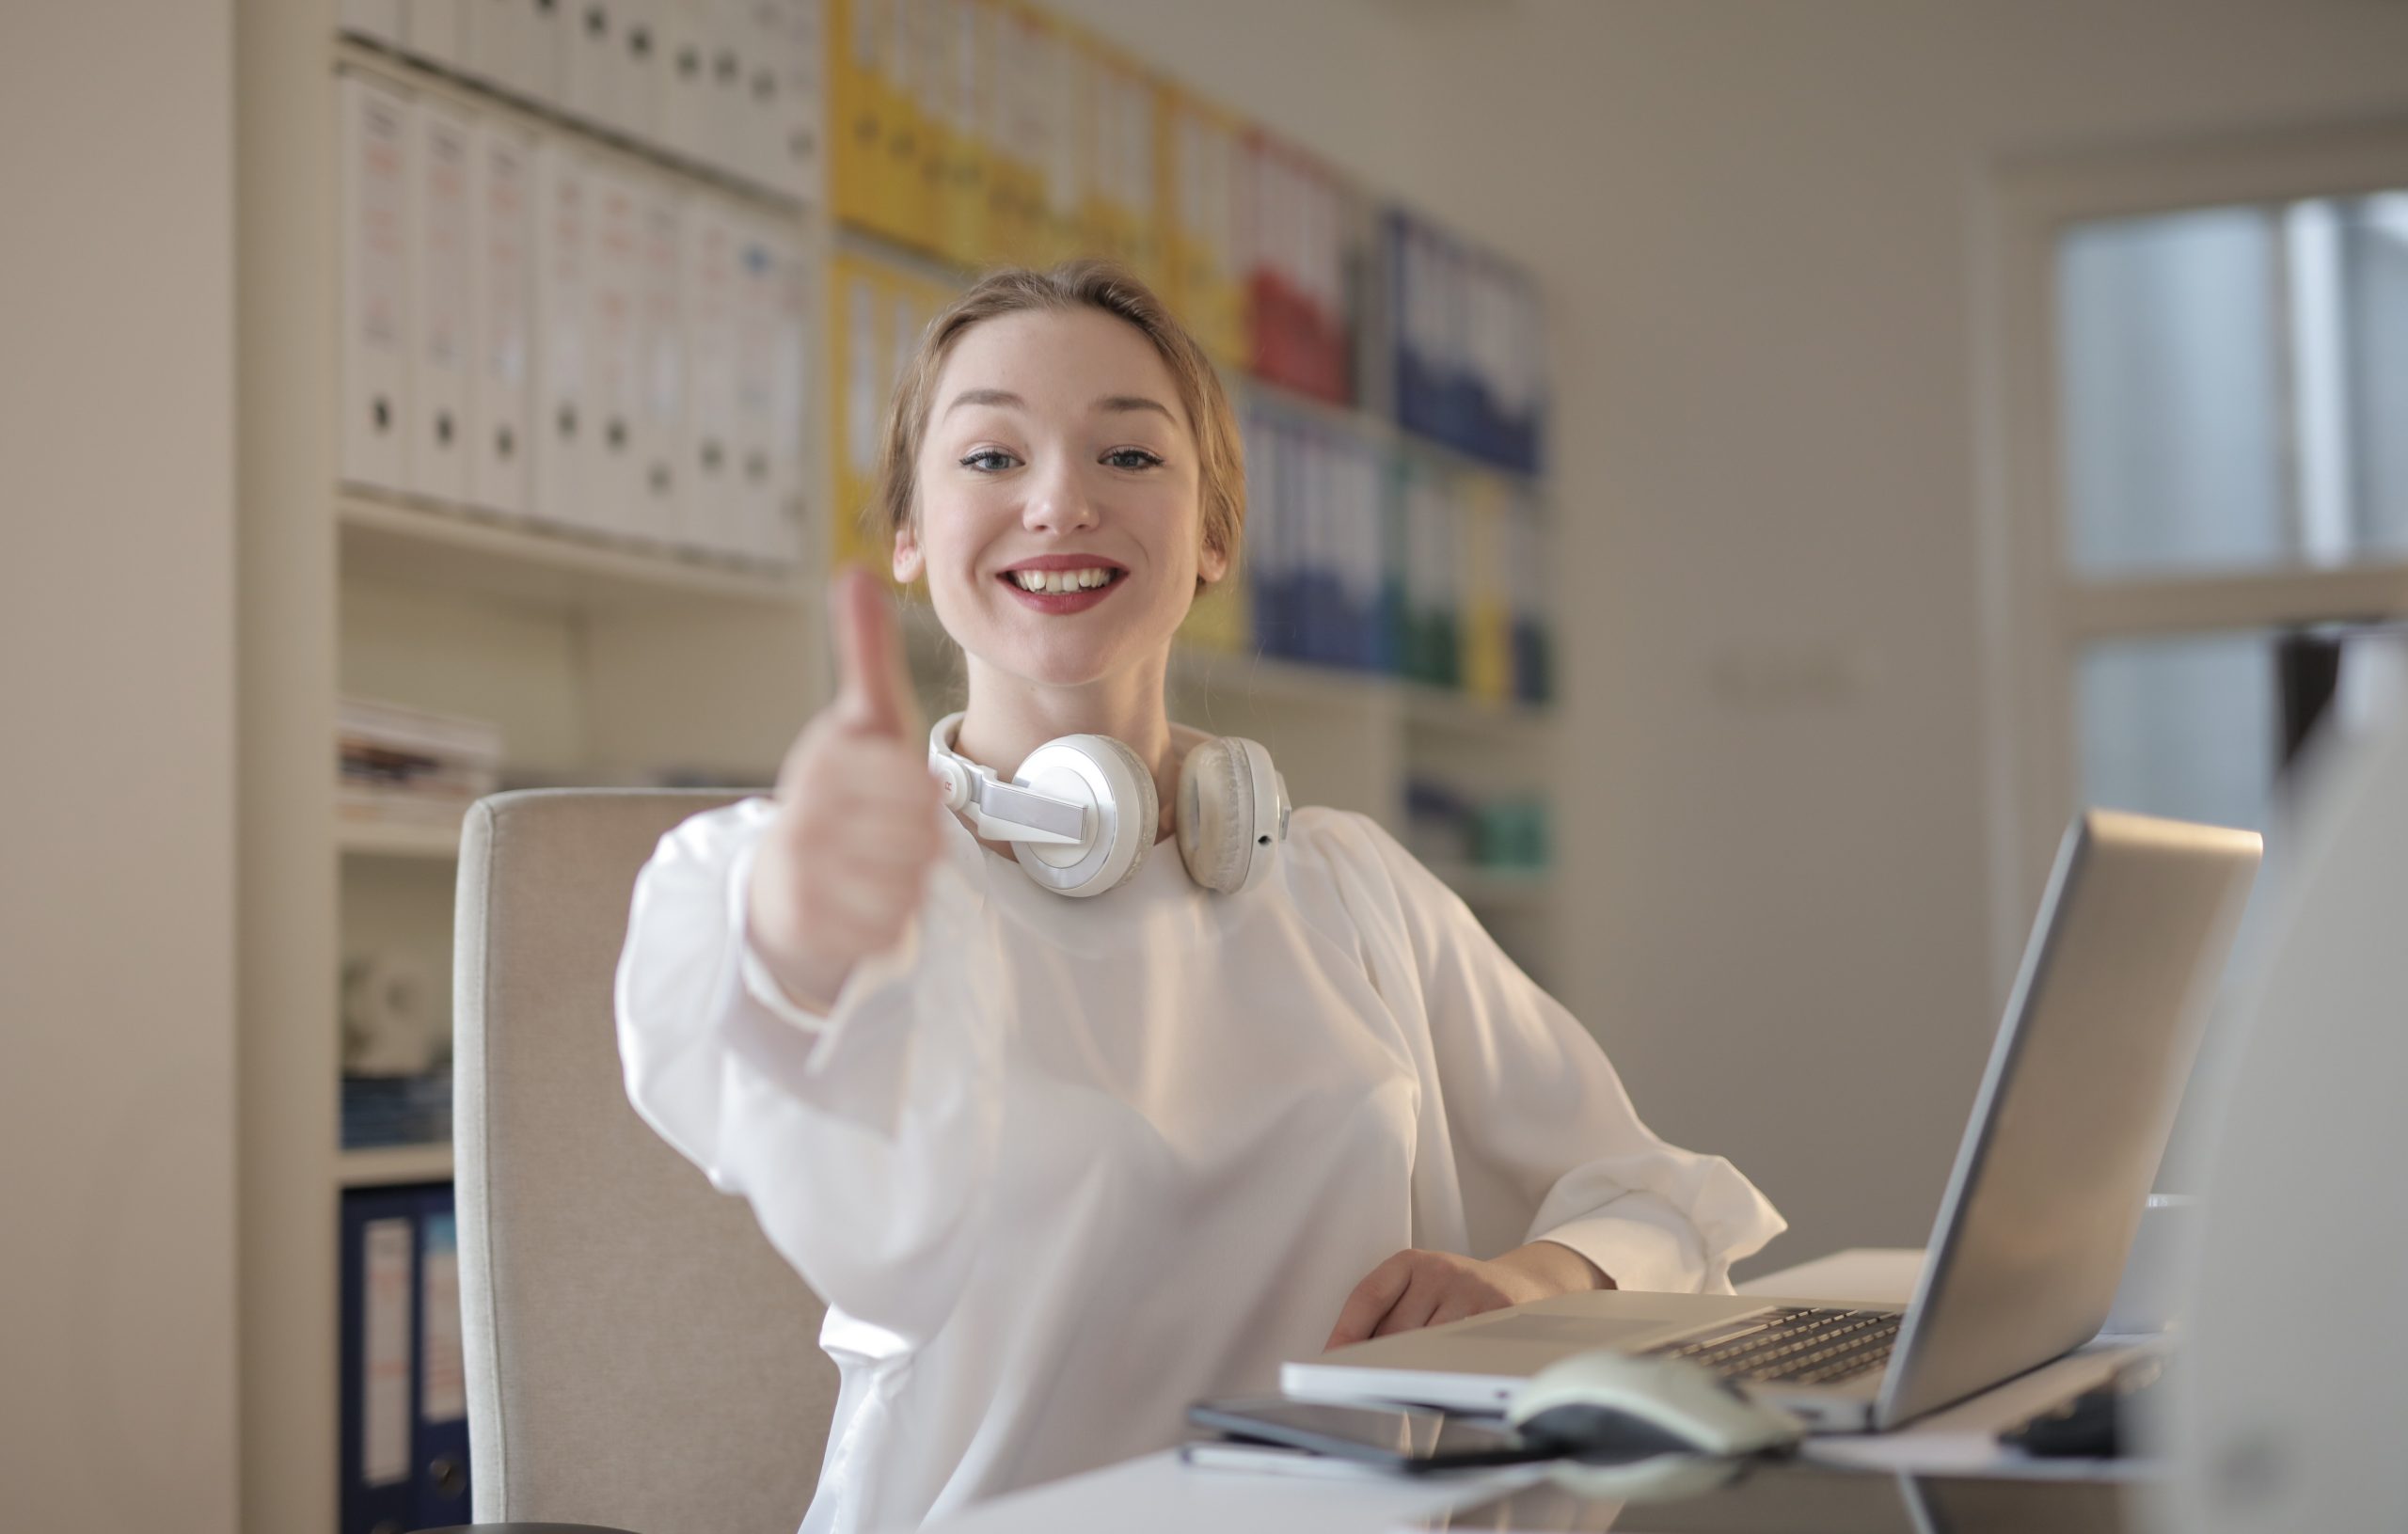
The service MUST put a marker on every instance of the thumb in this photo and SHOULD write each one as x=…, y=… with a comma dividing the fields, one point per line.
x=873, y=689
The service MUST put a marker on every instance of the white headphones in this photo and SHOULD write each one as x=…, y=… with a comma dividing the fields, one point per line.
x=1080, y=813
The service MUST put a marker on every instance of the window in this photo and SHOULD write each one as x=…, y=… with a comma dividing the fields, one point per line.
x=2232, y=398
x=2194, y=489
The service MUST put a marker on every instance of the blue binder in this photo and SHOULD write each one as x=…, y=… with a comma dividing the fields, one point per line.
x=379, y=1361
x=404, y=1415
x=440, y=1435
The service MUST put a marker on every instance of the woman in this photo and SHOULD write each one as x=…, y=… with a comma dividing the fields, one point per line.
x=1061, y=1166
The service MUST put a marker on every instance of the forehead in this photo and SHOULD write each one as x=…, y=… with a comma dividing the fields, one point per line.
x=1059, y=361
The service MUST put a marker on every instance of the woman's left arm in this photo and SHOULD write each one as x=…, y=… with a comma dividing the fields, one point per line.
x=1555, y=1170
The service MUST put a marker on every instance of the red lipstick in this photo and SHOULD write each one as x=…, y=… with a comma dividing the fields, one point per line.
x=1062, y=603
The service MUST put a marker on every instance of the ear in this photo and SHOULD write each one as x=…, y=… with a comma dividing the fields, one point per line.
x=906, y=562
x=1212, y=563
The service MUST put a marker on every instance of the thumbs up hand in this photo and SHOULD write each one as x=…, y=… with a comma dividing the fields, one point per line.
x=843, y=863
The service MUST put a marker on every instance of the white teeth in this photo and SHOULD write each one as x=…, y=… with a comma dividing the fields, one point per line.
x=1060, y=580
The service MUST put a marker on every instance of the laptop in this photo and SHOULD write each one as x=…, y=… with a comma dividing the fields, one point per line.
x=2066, y=1132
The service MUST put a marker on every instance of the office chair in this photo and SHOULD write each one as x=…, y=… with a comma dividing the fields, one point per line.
x=636, y=1356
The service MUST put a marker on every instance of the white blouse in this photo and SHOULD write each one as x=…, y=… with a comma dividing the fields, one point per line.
x=1060, y=1167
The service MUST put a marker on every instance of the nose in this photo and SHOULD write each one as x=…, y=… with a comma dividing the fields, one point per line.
x=1057, y=500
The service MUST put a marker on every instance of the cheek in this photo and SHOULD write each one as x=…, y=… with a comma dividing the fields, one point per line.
x=1171, y=511
x=957, y=520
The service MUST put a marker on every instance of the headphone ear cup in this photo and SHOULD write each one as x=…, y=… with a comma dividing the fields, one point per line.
x=1215, y=814
x=1123, y=812
x=1147, y=819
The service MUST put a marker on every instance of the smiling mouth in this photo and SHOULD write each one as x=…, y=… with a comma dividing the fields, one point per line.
x=1063, y=582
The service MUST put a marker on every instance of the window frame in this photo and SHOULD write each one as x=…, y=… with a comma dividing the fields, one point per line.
x=2037, y=613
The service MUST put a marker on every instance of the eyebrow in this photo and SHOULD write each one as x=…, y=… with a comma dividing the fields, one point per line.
x=1117, y=403
x=1110, y=403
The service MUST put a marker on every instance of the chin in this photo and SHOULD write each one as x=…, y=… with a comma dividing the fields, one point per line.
x=1066, y=659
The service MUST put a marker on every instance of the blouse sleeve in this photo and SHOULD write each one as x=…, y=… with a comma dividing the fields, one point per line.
x=1547, y=1143
x=860, y=1143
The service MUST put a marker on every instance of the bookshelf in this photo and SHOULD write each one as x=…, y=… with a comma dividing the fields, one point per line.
x=393, y=1165
x=604, y=661
x=396, y=839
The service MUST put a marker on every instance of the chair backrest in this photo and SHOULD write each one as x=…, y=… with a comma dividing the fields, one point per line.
x=638, y=1356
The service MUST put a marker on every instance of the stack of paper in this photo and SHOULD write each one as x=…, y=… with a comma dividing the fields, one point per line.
x=402, y=763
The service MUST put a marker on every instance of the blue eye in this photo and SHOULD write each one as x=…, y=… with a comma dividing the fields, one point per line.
x=989, y=461
x=1120, y=458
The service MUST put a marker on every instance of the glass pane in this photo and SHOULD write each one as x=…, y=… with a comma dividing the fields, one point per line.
x=2172, y=393
x=2188, y=727
x=2375, y=285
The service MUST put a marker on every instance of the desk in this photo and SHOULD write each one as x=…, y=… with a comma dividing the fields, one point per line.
x=1156, y=1493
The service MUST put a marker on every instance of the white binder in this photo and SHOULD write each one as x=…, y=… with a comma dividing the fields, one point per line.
x=633, y=105
x=731, y=77
x=587, y=34
x=435, y=462
x=765, y=30
x=375, y=283
x=509, y=45
x=797, y=162
x=547, y=44
x=613, y=356
x=756, y=513
x=706, y=497
x=436, y=31
x=378, y=21
x=661, y=391
x=501, y=194
x=795, y=358
x=563, y=261
x=688, y=104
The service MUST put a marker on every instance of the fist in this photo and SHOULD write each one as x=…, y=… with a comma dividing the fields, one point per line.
x=845, y=860
x=1415, y=1288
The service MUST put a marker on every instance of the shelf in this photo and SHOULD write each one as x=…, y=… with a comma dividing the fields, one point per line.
x=391, y=538
x=1495, y=887
x=1260, y=679
x=1432, y=708
x=398, y=839
x=884, y=249
x=386, y=1165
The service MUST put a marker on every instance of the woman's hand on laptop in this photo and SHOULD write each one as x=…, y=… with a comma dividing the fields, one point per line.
x=1415, y=1288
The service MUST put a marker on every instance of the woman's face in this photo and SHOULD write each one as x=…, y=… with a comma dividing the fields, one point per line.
x=1059, y=517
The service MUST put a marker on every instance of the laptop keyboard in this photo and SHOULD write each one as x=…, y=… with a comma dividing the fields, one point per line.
x=1795, y=1345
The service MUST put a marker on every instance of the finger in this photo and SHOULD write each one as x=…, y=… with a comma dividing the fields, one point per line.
x=1460, y=1303
x=1370, y=1301
x=873, y=689
x=1413, y=1308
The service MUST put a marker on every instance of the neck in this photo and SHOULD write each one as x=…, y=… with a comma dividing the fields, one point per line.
x=1009, y=717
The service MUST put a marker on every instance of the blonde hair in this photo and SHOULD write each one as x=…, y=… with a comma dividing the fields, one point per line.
x=1220, y=479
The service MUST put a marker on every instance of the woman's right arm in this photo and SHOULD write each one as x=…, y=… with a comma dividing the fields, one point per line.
x=858, y=1119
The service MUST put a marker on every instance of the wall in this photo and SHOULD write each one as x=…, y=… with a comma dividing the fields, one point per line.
x=1754, y=222
x=116, y=707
